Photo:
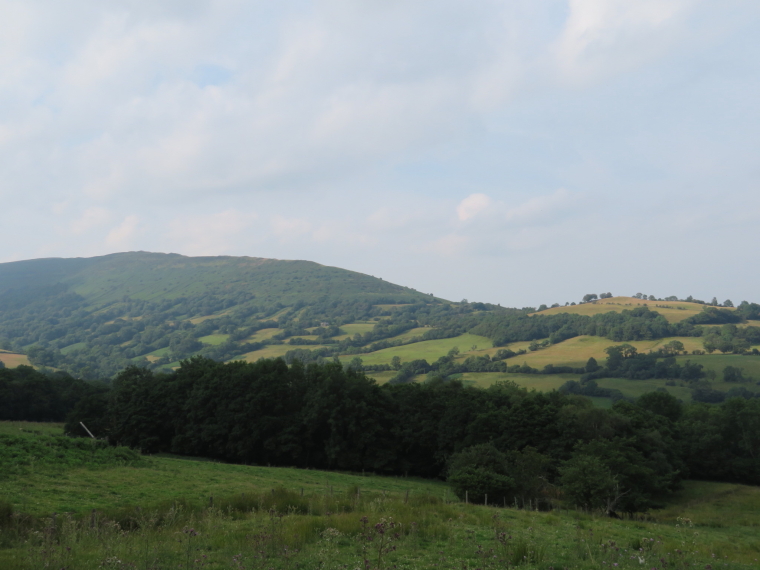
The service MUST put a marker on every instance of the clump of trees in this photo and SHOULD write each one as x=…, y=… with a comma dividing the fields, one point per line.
x=504, y=441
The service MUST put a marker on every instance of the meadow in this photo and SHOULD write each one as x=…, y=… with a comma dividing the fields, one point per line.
x=171, y=512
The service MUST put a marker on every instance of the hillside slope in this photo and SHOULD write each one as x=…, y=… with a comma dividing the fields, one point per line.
x=93, y=316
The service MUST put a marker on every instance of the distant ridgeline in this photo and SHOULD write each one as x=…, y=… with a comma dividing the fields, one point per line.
x=92, y=317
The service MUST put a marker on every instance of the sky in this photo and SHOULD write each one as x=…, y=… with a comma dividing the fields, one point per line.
x=515, y=152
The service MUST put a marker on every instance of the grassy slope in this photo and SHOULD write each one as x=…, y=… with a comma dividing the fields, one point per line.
x=166, y=478
x=430, y=350
x=715, y=523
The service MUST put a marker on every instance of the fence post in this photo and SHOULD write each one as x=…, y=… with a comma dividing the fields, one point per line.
x=486, y=503
x=466, y=497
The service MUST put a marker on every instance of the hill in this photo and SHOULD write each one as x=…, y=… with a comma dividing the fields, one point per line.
x=94, y=316
x=110, y=279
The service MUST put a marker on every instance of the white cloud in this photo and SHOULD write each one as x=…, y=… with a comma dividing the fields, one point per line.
x=473, y=205
x=450, y=245
x=122, y=235
x=290, y=228
x=540, y=207
x=212, y=234
x=612, y=35
x=91, y=218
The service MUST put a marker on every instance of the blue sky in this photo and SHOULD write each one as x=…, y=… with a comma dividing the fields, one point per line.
x=519, y=152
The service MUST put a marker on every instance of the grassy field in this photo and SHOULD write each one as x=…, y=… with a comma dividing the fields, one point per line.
x=11, y=359
x=430, y=350
x=183, y=513
x=717, y=362
x=214, y=339
x=673, y=311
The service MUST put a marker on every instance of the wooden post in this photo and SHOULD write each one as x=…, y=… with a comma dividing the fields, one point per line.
x=85, y=429
x=211, y=502
x=466, y=497
x=406, y=499
x=302, y=491
x=486, y=500
x=92, y=518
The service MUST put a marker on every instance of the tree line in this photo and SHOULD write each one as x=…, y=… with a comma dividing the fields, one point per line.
x=328, y=416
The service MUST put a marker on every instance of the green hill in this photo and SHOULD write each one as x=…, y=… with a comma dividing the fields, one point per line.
x=93, y=316
x=108, y=279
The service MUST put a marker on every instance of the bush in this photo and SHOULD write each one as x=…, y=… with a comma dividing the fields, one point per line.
x=481, y=470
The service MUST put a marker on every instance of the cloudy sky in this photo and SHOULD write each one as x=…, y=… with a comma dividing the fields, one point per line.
x=516, y=151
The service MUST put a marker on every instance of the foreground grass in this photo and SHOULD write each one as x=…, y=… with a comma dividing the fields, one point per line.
x=181, y=513
x=282, y=529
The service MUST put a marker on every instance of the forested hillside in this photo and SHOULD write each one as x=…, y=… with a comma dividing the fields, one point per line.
x=94, y=316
